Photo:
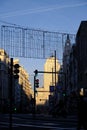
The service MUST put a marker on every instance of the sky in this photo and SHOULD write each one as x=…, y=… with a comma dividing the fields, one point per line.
x=50, y=15
x=53, y=15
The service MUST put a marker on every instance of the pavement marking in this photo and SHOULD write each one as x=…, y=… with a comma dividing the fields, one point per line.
x=38, y=126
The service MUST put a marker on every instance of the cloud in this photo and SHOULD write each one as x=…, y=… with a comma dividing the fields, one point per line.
x=40, y=10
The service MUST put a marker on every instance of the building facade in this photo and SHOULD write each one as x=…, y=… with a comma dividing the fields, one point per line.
x=50, y=79
x=22, y=91
x=81, y=46
x=4, y=80
x=73, y=70
x=70, y=70
x=66, y=55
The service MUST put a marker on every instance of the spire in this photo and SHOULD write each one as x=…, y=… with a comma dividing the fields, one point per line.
x=67, y=47
x=67, y=41
x=68, y=36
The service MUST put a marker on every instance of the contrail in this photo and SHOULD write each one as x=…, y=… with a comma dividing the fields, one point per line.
x=39, y=10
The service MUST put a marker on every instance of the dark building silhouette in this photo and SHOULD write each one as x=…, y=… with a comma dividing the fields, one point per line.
x=81, y=47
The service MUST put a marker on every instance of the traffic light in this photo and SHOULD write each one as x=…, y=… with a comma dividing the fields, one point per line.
x=37, y=83
x=16, y=71
x=36, y=72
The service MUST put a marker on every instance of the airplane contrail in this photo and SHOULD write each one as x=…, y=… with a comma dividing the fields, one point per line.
x=39, y=10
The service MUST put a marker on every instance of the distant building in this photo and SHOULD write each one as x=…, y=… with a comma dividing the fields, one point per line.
x=66, y=55
x=73, y=70
x=49, y=80
x=70, y=70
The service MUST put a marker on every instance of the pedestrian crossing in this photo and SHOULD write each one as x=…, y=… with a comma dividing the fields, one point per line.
x=48, y=126
x=69, y=123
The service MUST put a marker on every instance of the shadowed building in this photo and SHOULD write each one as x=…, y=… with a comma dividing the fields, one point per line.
x=4, y=79
x=81, y=46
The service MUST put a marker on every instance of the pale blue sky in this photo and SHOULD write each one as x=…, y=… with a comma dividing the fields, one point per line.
x=53, y=15
x=50, y=15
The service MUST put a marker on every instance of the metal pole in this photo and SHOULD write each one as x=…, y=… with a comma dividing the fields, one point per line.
x=43, y=44
x=11, y=75
x=65, y=82
x=55, y=70
x=21, y=97
x=34, y=111
x=52, y=76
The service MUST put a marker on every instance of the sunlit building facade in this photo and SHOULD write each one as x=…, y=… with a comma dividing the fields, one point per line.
x=49, y=80
x=23, y=89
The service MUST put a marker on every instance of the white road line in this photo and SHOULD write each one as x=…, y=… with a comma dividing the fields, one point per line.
x=38, y=126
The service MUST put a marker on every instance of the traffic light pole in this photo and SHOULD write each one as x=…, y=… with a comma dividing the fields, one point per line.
x=36, y=72
x=11, y=82
x=34, y=109
x=55, y=71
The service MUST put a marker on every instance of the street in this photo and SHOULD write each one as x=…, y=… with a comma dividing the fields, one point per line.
x=26, y=121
